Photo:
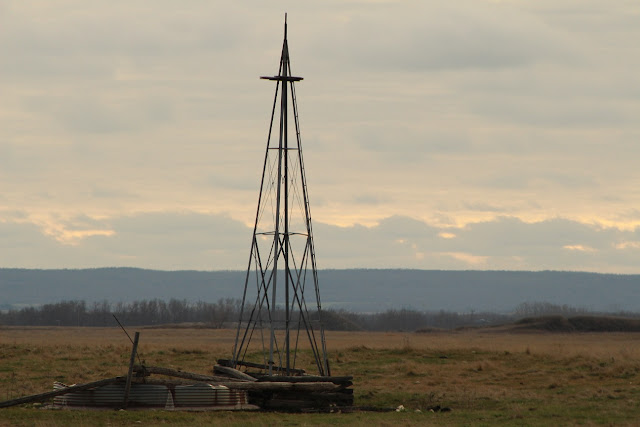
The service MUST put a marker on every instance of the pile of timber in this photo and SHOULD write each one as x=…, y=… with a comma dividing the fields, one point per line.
x=291, y=390
x=296, y=391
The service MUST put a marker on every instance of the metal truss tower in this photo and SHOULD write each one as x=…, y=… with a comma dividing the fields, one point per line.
x=282, y=278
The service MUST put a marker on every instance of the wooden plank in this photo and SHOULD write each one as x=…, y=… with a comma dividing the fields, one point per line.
x=234, y=373
x=44, y=396
x=132, y=360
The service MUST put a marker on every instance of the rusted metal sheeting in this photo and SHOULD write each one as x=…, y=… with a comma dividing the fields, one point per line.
x=200, y=396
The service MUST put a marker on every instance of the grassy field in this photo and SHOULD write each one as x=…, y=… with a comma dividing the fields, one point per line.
x=486, y=377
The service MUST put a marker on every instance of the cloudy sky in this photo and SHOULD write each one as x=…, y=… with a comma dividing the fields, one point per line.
x=437, y=135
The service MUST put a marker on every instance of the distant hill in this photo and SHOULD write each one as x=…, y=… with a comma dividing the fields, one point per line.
x=573, y=324
x=360, y=290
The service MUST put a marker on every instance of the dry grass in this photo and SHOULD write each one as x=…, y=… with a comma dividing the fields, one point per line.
x=485, y=376
x=220, y=341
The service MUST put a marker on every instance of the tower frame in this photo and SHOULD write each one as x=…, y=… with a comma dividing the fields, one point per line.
x=282, y=255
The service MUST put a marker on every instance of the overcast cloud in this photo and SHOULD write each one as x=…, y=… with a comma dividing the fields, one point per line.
x=447, y=135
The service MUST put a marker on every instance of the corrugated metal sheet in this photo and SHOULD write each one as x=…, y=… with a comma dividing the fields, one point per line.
x=207, y=395
x=194, y=396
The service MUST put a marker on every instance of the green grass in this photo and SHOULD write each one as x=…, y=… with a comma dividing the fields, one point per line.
x=31, y=417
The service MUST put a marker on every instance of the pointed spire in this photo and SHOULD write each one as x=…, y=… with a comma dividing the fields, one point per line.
x=284, y=58
x=284, y=61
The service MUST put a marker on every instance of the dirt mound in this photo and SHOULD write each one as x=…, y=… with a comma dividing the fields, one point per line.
x=577, y=324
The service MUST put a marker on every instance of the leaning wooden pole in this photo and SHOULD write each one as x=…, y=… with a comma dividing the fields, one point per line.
x=127, y=387
x=44, y=396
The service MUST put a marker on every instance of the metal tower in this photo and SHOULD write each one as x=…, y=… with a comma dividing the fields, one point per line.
x=275, y=318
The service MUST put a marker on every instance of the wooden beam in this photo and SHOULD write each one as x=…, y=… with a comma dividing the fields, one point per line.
x=234, y=373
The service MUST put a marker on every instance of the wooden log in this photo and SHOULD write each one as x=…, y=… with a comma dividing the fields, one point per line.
x=127, y=386
x=234, y=373
x=237, y=384
x=44, y=396
x=229, y=363
x=305, y=379
x=256, y=386
x=182, y=374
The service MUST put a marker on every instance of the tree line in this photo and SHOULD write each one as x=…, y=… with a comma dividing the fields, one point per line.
x=136, y=313
x=225, y=313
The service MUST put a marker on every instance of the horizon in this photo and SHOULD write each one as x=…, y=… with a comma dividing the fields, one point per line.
x=323, y=269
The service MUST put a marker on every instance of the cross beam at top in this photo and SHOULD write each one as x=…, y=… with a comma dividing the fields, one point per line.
x=282, y=78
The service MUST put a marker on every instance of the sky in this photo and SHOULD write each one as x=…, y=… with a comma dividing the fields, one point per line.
x=482, y=135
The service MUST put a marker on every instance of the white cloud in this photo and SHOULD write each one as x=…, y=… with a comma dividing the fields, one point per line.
x=189, y=240
x=580, y=248
x=449, y=113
